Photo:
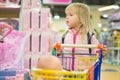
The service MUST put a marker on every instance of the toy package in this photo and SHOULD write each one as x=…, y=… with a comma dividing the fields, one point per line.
x=11, y=48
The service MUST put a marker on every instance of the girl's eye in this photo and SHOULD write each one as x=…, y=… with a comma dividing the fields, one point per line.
x=71, y=15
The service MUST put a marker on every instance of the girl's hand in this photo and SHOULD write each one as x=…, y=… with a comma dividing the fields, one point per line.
x=105, y=50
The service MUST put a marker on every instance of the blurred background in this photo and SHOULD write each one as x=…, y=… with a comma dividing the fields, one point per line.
x=105, y=18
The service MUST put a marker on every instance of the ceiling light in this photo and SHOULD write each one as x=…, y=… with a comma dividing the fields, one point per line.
x=108, y=7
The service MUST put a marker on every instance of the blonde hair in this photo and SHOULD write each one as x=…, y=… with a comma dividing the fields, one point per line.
x=83, y=12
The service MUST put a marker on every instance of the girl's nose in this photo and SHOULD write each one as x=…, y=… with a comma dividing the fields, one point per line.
x=66, y=17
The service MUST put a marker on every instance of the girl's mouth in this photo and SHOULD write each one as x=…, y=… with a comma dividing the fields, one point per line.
x=67, y=22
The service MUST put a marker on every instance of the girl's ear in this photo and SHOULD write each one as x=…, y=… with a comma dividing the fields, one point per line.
x=80, y=19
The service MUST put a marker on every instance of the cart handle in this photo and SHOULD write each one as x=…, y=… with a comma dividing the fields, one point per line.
x=59, y=45
x=5, y=25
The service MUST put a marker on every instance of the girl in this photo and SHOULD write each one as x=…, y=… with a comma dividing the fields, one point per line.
x=79, y=26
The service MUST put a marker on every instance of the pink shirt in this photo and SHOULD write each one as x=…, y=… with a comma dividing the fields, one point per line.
x=73, y=37
x=70, y=37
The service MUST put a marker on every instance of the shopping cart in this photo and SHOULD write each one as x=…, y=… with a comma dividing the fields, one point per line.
x=90, y=69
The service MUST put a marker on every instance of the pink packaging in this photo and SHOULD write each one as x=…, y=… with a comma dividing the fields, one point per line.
x=35, y=43
x=26, y=4
x=13, y=50
x=35, y=20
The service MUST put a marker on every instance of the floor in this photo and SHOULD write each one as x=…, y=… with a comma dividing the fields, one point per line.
x=110, y=72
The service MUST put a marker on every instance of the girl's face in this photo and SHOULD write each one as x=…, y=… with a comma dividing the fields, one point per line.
x=72, y=20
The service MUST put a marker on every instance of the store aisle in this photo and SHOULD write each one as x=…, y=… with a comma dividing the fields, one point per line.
x=110, y=72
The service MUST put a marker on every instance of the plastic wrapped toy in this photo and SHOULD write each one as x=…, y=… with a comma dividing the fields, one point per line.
x=11, y=48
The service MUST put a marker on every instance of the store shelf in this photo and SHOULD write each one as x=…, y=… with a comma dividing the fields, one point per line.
x=9, y=12
x=115, y=17
x=114, y=20
x=115, y=26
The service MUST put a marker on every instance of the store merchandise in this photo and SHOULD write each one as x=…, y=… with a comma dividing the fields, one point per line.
x=114, y=20
x=13, y=50
x=15, y=75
